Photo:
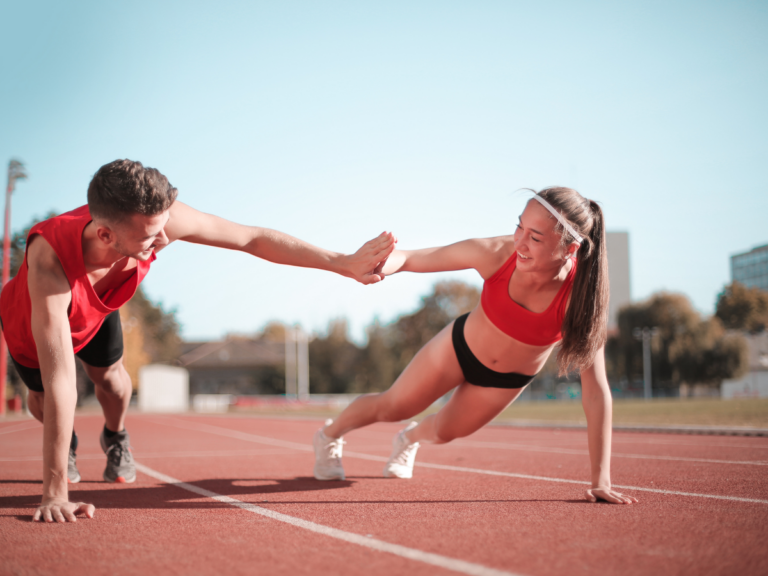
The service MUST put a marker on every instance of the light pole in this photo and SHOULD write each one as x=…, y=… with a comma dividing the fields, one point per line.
x=15, y=172
x=296, y=363
x=645, y=334
x=290, y=362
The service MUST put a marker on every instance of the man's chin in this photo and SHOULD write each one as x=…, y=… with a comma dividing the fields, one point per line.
x=142, y=256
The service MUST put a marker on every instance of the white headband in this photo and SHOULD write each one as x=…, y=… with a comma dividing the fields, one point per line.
x=560, y=218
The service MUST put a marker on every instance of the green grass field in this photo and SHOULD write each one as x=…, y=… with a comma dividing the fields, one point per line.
x=665, y=412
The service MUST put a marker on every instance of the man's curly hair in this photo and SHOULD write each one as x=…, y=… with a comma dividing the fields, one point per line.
x=124, y=187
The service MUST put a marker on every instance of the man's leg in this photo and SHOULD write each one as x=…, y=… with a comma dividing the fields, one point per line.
x=113, y=390
x=35, y=402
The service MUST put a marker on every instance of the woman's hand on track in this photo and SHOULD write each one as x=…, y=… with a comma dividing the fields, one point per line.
x=366, y=264
x=609, y=495
x=62, y=511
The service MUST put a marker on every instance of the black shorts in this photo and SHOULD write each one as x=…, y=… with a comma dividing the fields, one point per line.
x=477, y=373
x=103, y=350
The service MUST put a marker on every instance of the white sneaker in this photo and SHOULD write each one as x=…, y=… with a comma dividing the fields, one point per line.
x=328, y=455
x=403, y=456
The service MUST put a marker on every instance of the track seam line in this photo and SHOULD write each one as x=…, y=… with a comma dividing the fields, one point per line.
x=529, y=448
x=21, y=427
x=350, y=537
x=222, y=431
x=209, y=454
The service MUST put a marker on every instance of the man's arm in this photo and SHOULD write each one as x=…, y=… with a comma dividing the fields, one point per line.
x=186, y=223
x=50, y=295
x=598, y=408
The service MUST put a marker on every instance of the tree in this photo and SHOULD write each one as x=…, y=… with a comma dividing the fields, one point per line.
x=687, y=349
x=159, y=327
x=742, y=308
x=448, y=300
x=333, y=360
x=339, y=366
x=19, y=243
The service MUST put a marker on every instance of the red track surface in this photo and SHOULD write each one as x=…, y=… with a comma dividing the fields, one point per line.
x=478, y=514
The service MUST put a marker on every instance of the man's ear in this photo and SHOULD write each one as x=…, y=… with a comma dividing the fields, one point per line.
x=105, y=234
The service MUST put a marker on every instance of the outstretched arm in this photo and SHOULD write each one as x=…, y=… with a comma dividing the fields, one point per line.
x=186, y=223
x=485, y=255
x=50, y=296
x=598, y=408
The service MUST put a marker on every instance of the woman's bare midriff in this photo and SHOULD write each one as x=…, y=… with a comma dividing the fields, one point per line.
x=501, y=352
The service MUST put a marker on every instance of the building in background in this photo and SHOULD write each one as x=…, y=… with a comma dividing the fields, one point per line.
x=754, y=384
x=751, y=268
x=618, y=275
x=237, y=365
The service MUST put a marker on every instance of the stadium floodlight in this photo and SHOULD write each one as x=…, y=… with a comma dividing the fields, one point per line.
x=15, y=172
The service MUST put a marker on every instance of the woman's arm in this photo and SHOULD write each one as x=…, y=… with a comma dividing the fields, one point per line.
x=598, y=408
x=485, y=255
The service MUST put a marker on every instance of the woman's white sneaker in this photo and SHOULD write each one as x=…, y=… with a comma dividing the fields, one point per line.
x=400, y=464
x=328, y=455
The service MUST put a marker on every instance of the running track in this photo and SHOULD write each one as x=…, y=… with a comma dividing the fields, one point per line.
x=235, y=495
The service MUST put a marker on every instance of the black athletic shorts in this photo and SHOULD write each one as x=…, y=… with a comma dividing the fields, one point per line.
x=104, y=349
x=477, y=373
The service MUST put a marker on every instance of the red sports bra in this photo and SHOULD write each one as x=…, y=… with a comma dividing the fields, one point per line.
x=540, y=329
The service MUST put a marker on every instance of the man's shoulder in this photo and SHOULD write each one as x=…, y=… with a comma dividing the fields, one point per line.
x=42, y=257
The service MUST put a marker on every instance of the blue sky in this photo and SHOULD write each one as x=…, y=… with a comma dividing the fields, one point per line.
x=334, y=121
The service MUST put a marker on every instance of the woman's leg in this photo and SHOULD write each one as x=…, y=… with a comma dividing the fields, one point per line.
x=469, y=409
x=432, y=373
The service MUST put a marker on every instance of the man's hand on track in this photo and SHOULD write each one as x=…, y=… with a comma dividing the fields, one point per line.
x=62, y=511
x=609, y=495
x=366, y=264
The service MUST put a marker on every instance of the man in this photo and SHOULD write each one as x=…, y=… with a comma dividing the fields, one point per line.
x=80, y=267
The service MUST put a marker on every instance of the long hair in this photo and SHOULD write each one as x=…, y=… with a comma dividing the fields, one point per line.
x=585, y=324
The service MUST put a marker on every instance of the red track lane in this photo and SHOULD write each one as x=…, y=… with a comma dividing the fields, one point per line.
x=520, y=525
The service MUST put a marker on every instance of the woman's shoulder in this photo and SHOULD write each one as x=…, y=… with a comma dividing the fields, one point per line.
x=496, y=252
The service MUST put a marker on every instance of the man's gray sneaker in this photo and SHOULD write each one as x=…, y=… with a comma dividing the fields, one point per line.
x=120, y=467
x=73, y=474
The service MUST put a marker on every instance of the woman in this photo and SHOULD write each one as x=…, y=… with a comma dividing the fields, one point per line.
x=547, y=283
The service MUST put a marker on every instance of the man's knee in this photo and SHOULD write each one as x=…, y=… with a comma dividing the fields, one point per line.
x=112, y=379
x=35, y=402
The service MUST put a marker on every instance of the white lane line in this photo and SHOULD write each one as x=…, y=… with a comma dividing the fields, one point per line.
x=209, y=454
x=757, y=442
x=532, y=448
x=21, y=427
x=306, y=448
x=222, y=431
x=372, y=543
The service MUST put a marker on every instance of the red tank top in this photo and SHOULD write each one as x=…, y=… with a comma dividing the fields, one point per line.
x=540, y=329
x=86, y=312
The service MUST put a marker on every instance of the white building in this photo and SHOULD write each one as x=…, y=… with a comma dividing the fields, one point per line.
x=618, y=274
x=755, y=383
